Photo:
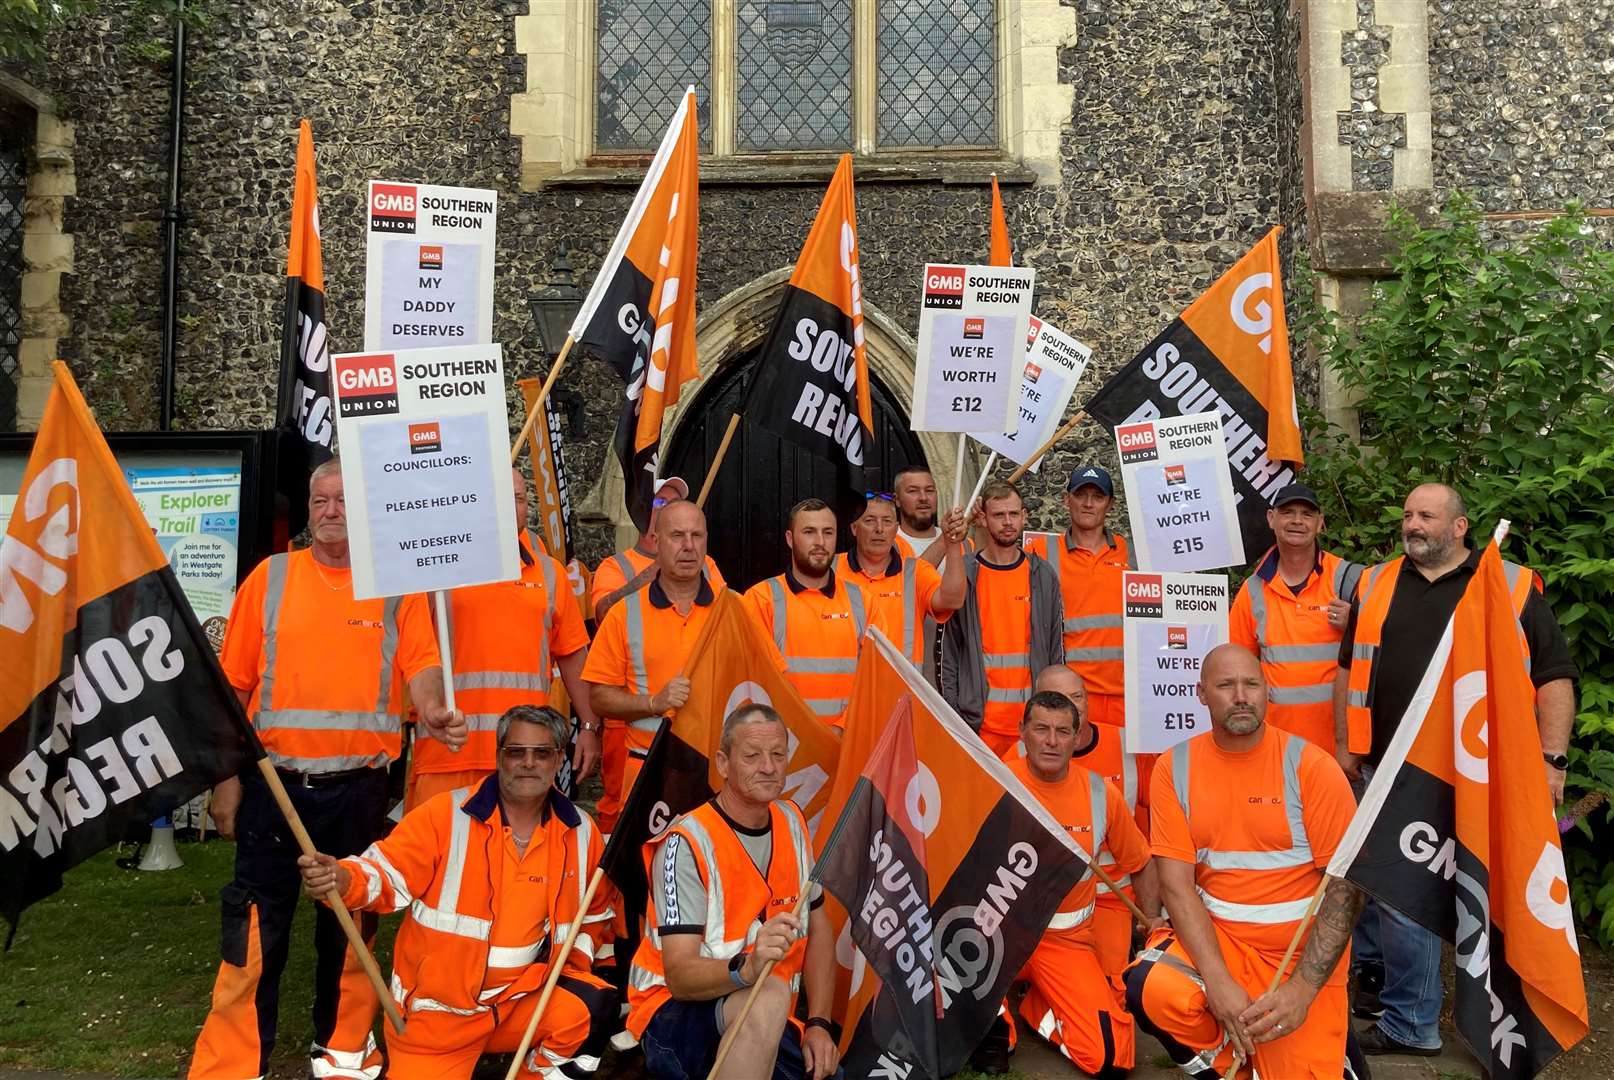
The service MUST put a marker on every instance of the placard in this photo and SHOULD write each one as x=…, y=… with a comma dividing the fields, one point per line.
x=1055, y=362
x=196, y=514
x=1179, y=494
x=428, y=266
x=972, y=329
x=426, y=469
x=1169, y=623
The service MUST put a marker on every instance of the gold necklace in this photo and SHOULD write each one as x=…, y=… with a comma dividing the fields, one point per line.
x=320, y=569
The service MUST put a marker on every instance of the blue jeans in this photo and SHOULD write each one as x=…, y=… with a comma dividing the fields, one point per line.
x=1409, y=955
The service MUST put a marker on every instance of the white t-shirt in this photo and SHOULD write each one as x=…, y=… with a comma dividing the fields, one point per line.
x=919, y=543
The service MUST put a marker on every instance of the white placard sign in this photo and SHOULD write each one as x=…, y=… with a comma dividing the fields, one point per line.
x=1169, y=623
x=426, y=469
x=428, y=266
x=1179, y=494
x=1054, y=363
x=972, y=332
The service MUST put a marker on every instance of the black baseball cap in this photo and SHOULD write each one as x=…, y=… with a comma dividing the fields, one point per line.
x=1094, y=475
x=1295, y=493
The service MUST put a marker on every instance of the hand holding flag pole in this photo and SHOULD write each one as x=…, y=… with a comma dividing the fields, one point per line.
x=731, y=1034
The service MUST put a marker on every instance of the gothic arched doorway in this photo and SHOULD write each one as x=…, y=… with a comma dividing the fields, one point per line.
x=763, y=476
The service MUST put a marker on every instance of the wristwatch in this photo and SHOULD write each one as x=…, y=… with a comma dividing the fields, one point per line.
x=595, y=726
x=736, y=962
x=1557, y=761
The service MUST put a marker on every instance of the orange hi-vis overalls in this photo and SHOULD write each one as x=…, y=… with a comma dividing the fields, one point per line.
x=1004, y=596
x=483, y=917
x=900, y=596
x=505, y=637
x=1373, y=599
x=326, y=676
x=738, y=901
x=1298, y=648
x=1072, y=1001
x=1090, y=584
x=818, y=633
x=640, y=647
x=1259, y=826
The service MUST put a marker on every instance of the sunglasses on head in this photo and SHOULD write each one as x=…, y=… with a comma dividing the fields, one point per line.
x=886, y=495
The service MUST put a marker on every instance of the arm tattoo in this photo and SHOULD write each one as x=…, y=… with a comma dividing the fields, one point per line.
x=1336, y=916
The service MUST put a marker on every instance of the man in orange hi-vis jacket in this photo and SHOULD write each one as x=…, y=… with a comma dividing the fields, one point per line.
x=1072, y=1001
x=910, y=594
x=492, y=877
x=1244, y=819
x=322, y=676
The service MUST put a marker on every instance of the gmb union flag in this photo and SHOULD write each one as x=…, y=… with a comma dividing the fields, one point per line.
x=1228, y=353
x=1456, y=831
x=730, y=665
x=943, y=871
x=812, y=381
x=112, y=705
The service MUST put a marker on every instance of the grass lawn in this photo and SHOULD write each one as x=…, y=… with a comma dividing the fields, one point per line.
x=113, y=974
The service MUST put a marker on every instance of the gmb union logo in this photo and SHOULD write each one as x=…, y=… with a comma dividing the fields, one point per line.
x=1254, y=320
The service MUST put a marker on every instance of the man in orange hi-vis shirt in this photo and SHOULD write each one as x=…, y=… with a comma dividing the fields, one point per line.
x=1244, y=819
x=322, y=676
x=909, y=593
x=1073, y=1002
x=506, y=639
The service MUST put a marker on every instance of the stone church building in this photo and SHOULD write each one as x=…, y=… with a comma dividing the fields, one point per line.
x=1142, y=147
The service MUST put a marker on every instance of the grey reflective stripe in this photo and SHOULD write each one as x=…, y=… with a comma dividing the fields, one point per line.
x=1179, y=774
x=1092, y=622
x=713, y=942
x=459, y=841
x=820, y=665
x=1069, y=920
x=647, y=723
x=1258, y=609
x=480, y=721
x=1363, y=652
x=1347, y=575
x=910, y=600
x=532, y=542
x=827, y=706
x=780, y=615
x=1297, y=654
x=389, y=650
x=274, y=591
x=498, y=680
x=552, y=600
x=1006, y=660
x=1356, y=699
x=854, y=597
x=325, y=720
x=633, y=612
x=1264, y=914
x=1129, y=780
x=1299, y=851
x=316, y=765
x=1160, y=956
x=1093, y=655
x=1008, y=696
x=624, y=564
x=1099, y=808
x=1511, y=571
x=1312, y=694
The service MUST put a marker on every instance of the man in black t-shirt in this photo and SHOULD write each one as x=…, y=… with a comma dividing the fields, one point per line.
x=1397, y=962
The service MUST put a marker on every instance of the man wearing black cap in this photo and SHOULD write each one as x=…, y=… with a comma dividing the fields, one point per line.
x=1089, y=559
x=1291, y=612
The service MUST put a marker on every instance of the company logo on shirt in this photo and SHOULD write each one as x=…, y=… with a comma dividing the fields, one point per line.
x=1176, y=637
x=1145, y=596
x=1176, y=474
x=426, y=438
x=974, y=329
x=1136, y=442
x=431, y=256
x=367, y=384
x=392, y=208
x=944, y=287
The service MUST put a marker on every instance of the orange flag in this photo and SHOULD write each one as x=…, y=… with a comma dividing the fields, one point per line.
x=1456, y=830
x=1001, y=255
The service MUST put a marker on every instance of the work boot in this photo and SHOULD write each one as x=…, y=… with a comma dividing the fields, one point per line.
x=991, y=1058
x=1369, y=982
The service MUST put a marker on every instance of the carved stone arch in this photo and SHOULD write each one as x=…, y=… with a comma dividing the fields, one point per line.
x=734, y=326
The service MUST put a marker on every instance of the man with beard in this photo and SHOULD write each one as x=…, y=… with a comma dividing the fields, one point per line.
x=1401, y=610
x=918, y=535
x=1243, y=820
x=1010, y=626
x=815, y=619
x=1291, y=612
x=909, y=593
x=491, y=876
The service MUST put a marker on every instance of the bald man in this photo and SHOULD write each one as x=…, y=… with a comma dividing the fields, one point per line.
x=1243, y=820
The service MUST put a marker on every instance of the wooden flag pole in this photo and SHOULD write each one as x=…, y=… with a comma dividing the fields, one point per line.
x=717, y=462
x=1300, y=932
x=733, y=1030
x=1115, y=890
x=334, y=897
x=1064, y=429
x=538, y=402
x=557, y=963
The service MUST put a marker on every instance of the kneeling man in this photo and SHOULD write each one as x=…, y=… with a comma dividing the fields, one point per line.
x=493, y=879
x=1244, y=819
x=727, y=879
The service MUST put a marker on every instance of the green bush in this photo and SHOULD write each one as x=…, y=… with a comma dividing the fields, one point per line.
x=1486, y=362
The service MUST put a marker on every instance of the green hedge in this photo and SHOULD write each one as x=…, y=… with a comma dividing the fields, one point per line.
x=1487, y=361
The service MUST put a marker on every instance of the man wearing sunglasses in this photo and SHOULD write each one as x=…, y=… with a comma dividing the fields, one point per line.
x=492, y=879
x=909, y=593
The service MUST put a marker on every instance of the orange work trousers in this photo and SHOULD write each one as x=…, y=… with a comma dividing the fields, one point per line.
x=1111, y=929
x=1167, y=997
x=1076, y=1007
x=613, y=763
x=443, y=1046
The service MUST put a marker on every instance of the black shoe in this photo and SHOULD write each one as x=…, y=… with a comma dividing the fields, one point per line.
x=991, y=1058
x=1374, y=1041
x=1366, y=985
